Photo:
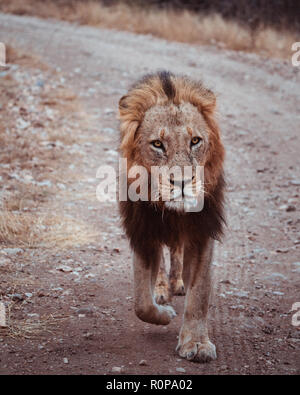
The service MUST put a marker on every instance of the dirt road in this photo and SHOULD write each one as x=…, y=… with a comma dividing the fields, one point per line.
x=256, y=268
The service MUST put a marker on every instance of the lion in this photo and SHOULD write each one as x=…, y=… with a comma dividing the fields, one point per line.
x=169, y=120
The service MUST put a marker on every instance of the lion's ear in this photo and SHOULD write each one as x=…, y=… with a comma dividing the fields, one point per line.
x=122, y=103
x=209, y=102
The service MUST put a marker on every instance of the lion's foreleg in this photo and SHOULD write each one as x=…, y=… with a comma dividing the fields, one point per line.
x=176, y=267
x=146, y=308
x=194, y=343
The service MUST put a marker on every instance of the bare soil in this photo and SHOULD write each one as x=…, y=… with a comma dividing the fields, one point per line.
x=86, y=317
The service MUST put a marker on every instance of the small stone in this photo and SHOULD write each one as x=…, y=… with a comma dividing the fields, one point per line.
x=66, y=361
x=297, y=264
x=290, y=208
x=88, y=335
x=277, y=293
x=4, y=262
x=116, y=369
x=276, y=276
x=28, y=295
x=275, y=111
x=282, y=250
x=64, y=268
x=40, y=83
x=85, y=310
x=13, y=251
x=283, y=207
x=262, y=169
x=241, y=294
x=242, y=133
x=45, y=183
x=180, y=370
x=17, y=297
x=295, y=182
x=227, y=282
x=89, y=275
x=236, y=307
x=259, y=250
x=22, y=124
x=143, y=362
x=292, y=200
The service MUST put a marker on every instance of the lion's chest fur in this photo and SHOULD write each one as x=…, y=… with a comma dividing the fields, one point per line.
x=147, y=226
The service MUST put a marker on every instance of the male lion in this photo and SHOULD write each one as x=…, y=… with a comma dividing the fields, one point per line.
x=168, y=120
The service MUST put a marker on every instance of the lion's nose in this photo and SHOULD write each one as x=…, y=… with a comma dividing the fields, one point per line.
x=181, y=183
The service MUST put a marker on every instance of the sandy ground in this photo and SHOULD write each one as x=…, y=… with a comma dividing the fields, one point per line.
x=256, y=268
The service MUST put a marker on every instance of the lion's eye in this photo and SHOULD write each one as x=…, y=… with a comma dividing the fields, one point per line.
x=157, y=144
x=195, y=140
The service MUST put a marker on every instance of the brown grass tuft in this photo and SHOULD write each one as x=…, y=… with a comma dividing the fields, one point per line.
x=49, y=231
x=29, y=328
x=18, y=56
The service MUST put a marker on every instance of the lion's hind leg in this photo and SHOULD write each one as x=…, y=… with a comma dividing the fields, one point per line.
x=162, y=292
x=176, y=267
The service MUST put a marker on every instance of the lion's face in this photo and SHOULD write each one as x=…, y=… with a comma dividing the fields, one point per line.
x=175, y=137
x=169, y=121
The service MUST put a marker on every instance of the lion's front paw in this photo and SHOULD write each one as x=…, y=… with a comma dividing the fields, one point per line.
x=168, y=313
x=197, y=351
x=177, y=287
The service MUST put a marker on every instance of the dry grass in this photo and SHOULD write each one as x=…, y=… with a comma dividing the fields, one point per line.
x=182, y=26
x=23, y=59
x=28, y=328
x=27, y=159
x=21, y=229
